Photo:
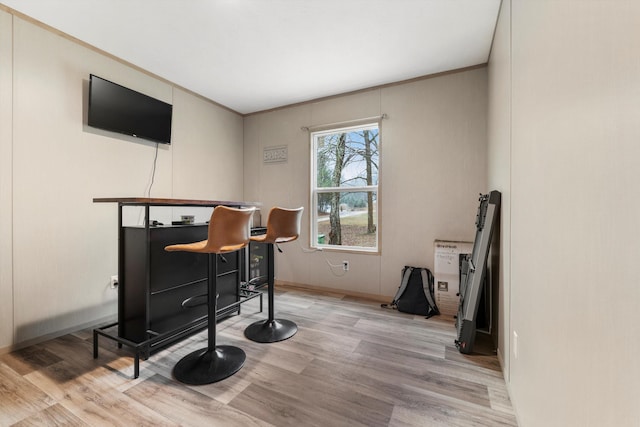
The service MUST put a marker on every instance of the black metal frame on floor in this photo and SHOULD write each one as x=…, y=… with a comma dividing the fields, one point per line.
x=159, y=340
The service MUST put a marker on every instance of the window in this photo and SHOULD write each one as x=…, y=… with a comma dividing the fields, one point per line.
x=344, y=188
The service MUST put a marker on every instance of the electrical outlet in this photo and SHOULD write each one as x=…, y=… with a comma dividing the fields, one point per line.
x=345, y=265
x=114, y=282
x=515, y=344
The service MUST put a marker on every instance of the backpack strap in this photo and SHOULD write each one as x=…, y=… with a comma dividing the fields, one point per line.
x=403, y=285
x=427, y=286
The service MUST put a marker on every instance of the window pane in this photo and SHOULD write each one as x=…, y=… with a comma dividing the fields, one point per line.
x=347, y=219
x=347, y=158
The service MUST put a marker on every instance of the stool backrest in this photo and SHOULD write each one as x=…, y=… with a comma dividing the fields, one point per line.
x=283, y=225
x=228, y=229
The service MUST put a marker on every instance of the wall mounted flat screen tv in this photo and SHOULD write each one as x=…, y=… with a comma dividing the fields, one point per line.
x=117, y=109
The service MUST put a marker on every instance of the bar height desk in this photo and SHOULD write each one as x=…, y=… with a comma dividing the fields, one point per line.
x=153, y=284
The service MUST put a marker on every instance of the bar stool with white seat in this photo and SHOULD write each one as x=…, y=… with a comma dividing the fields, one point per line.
x=228, y=232
x=283, y=225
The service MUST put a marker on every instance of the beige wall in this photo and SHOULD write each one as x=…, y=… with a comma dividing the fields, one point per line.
x=574, y=159
x=499, y=171
x=58, y=248
x=433, y=166
x=6, y=232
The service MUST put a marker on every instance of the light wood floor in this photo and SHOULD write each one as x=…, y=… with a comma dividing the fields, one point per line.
x=351, y=363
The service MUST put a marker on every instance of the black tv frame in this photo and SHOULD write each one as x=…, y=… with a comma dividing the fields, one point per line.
x=115, y=108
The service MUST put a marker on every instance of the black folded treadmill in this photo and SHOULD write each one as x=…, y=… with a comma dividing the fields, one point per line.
x=472, y=271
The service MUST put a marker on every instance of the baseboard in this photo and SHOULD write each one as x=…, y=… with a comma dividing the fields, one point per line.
x=56, y=334
x=322, y=289
x=501, y=361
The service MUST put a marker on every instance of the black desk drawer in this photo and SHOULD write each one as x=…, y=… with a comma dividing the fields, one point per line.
x=166, y=311
x=170, y=269
x=156, y=282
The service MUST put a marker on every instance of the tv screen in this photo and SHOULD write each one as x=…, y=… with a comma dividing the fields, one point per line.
x=117, y=109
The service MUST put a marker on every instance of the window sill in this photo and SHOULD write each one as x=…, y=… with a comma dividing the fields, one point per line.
x=349, y=250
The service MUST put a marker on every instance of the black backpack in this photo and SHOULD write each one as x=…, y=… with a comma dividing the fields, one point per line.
x=416, y=293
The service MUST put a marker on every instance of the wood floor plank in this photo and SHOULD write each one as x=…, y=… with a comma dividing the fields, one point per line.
x=30, y=359
x=55, y=415
x=224, y=392
x=415, y=362
x=440, y=410
x=55, y=380
x=345, y=398
x=499, y=398
x=484, y=360
x=97, y=408
x=352, y=363
x=291, y=356
x=282, y=410
x=375, y=380
x=388, y=381
x=375, y=335
x=20, y=399
x=412, y=370
x=187, y=406
x=319, y=342
x=421, y=329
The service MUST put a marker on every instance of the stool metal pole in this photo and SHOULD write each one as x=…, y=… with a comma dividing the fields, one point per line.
x=214, y=363
x=271, y=329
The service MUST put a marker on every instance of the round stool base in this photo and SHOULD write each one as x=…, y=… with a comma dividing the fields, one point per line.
x=271, y=330
x=206, y=366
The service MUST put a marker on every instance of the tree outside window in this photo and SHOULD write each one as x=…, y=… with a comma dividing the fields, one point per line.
x=345, y=187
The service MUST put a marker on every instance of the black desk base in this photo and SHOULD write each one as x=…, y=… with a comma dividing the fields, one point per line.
x=206, y=366
x=156, y=341
x=266, y=331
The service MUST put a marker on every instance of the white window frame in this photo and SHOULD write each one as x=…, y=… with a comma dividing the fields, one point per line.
x=314, y=190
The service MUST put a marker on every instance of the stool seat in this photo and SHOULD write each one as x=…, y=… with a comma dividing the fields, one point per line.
x=228, y=231
x=283, y=225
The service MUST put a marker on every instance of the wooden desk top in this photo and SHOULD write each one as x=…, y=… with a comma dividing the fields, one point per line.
x=142, y=201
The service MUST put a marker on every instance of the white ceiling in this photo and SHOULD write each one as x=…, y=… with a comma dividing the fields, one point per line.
x=253, y=55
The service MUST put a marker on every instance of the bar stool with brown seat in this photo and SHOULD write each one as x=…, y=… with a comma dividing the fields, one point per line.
x=283, y=225
x=228, y=232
